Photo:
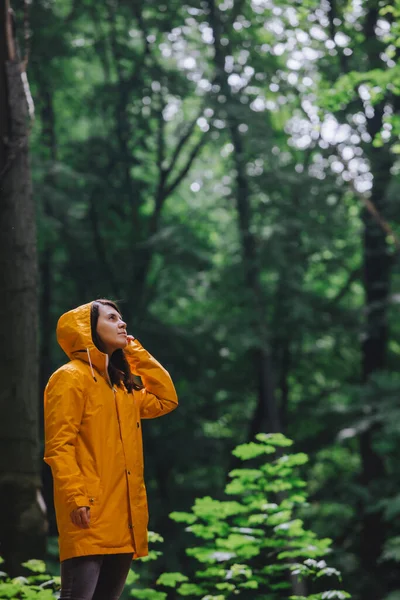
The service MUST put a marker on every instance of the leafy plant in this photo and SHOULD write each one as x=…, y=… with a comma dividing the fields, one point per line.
x=254, y=544
x=39, y=585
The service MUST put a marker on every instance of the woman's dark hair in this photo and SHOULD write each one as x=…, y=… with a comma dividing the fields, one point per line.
x=118, y=367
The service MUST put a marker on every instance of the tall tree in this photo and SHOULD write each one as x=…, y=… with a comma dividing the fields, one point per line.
x=266, y=415
x=377, y=264
x=22, y=518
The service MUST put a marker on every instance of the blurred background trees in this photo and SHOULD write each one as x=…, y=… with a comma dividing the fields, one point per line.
x=229, y=172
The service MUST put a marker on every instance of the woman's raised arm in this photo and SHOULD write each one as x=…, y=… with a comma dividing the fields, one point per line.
x=158, y=396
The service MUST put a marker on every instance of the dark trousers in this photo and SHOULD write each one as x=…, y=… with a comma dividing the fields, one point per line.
x=96, y=577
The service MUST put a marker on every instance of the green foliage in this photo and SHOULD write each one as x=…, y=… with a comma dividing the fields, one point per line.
x=249, y=544
x=132, y=577
x=154, y=538
x=171, y=579
x=333, y=594
x=148, y=594
x=191, y=589
x=37, y=566
x=392, y=549
x=375, y=81
x=40, y=586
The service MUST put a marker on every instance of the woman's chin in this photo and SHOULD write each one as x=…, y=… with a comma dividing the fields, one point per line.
x=120, y=344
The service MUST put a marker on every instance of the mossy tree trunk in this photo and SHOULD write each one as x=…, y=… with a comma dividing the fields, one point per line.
x=22, y=512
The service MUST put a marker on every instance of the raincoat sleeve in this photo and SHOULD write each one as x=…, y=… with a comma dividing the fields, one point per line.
x=64, y=401
x=158, y=396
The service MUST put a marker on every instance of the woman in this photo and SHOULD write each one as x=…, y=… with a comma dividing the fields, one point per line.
x=93, y=443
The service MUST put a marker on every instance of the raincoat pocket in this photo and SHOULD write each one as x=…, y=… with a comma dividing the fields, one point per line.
x=94, y=503
x=94, y=493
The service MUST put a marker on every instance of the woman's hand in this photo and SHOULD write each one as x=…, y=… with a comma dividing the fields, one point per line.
x=81, y=517
x=130, y=338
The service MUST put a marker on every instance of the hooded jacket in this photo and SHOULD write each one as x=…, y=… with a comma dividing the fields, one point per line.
x=93, y=441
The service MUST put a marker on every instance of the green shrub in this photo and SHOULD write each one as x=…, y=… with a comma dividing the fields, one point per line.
x=38, y=586
x=253, y=543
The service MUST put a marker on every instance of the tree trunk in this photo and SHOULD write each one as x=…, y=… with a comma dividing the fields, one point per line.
x=45, y=265
x=266, y=414
x=377, y=265
x=22, y=518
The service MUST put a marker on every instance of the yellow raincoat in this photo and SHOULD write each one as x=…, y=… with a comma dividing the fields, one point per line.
x=93, y=441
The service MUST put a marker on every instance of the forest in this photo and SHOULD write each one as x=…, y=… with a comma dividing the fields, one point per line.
x=227, y=171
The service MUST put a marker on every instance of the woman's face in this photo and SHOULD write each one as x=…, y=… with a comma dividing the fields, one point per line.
x=111, y=329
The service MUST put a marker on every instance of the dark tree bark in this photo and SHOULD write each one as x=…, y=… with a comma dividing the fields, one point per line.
x=377, y=272
x=377, y=264
x=47, y=324
x=46, y=269
x=22, y=518
x=266, y=414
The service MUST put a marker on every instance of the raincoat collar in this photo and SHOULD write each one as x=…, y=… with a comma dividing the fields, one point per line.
x=75, y=338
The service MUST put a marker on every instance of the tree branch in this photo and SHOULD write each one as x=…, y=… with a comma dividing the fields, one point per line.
x=353, y=276
x=182, y=143
x=161, y=140
x=195, y=151
x=100, y=247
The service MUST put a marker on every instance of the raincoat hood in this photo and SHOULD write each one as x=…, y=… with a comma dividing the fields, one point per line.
x=75, y=337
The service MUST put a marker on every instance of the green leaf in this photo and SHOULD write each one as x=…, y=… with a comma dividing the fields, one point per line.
x=246, y=475
x=292, y=460
x=148, y=594
x=209, y=509
x=9, y=590
x=190, y=589
x=206, y=532
x=153, y=537
x=152, y=555
x=20, y=580
x=328, y=595
x=249, y=585
x=183, y=517
x=239, y=570
x=328, y=572
x=34, y=565
x=132, y=577
x=225, y=586
x=252, y=450
x=276, y=439
x=171, y=579
x=212, y=573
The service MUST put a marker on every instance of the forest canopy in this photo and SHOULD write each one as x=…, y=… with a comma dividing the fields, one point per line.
x=228, y=171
